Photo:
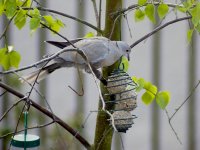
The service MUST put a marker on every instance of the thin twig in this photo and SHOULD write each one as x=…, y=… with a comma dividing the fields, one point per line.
x=9, y=109
x=29, y=128
x=86, y=119
x=7, y=26
x=191, y=93
x=81, y=83
x=3, y=93
x=176, y=110
x=103, y=137
x=78, y=93
x=129, y=29
x=43, y=60
x=95, y=11
x=174, y=131
x=100, y=9
x=158, y=29
x=113, y=26
x=120, y=136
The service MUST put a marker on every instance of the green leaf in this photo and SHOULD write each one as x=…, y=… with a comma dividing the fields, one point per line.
x=141, y=2
x=198, y=28
x=135, y=79
x=189, y=35
x=89, y=35
x=182, y=9
x=35, y=13
x=1, y=7
x=162, y=10
x=25, y=3
x=195, y=14
x=55, y=27
x=4, y=59
x=34, y=24
x=163, y=99
x=35, y=20
x=10, y=7
x=141, y=83
x=150, y=12
x=54, y=24
x=60, y=23
x=20, y=19
x=124, y=64
x=14, y=58
x=147, y=98
x=49, y=19
x=139, y=15
x=150, y=87
x=9, y=58
x=187, y=4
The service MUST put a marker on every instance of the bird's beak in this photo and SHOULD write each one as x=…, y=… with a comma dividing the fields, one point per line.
x=128, y=56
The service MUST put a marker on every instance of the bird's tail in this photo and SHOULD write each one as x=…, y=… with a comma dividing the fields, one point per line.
x=35, y=76
x=40, y=74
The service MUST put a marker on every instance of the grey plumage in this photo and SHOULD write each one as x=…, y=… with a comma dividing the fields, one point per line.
x=100, y=51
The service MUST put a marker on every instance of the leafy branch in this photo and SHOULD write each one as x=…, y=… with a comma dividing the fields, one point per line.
x=162, y=97
x=65, y=15
x=135, y=6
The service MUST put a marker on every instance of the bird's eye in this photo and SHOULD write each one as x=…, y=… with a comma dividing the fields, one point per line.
x=127, y=50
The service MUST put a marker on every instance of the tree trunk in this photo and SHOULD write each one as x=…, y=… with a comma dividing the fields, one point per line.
x=104, y=131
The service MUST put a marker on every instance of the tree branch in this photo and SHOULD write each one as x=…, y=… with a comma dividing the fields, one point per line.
x=158, y=29
x=65, y=15
x=131, y=7
x=50, y=115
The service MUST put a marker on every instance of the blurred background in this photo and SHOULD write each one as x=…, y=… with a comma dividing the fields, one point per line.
x=165, y=59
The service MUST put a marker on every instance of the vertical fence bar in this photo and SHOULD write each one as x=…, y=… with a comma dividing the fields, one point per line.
x=79, y=79
x=5, y=97
x=156, y=63
x=41, y=47
x=192, y=67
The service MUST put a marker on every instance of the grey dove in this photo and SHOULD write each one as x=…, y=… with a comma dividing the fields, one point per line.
x=100, y=52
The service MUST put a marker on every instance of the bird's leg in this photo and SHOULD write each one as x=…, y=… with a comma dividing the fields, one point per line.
x=99, y=75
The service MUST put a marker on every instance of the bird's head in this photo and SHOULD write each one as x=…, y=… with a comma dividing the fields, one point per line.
x=125, y=48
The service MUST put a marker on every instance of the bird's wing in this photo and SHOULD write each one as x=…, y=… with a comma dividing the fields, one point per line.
x=102, y=52
x=63, y=44
x=66, y=44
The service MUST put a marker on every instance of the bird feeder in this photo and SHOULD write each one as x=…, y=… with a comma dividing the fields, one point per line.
x=121, y=86
x=121, y=89
x=123, y=120
x=25, y=141
x=28, y=142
